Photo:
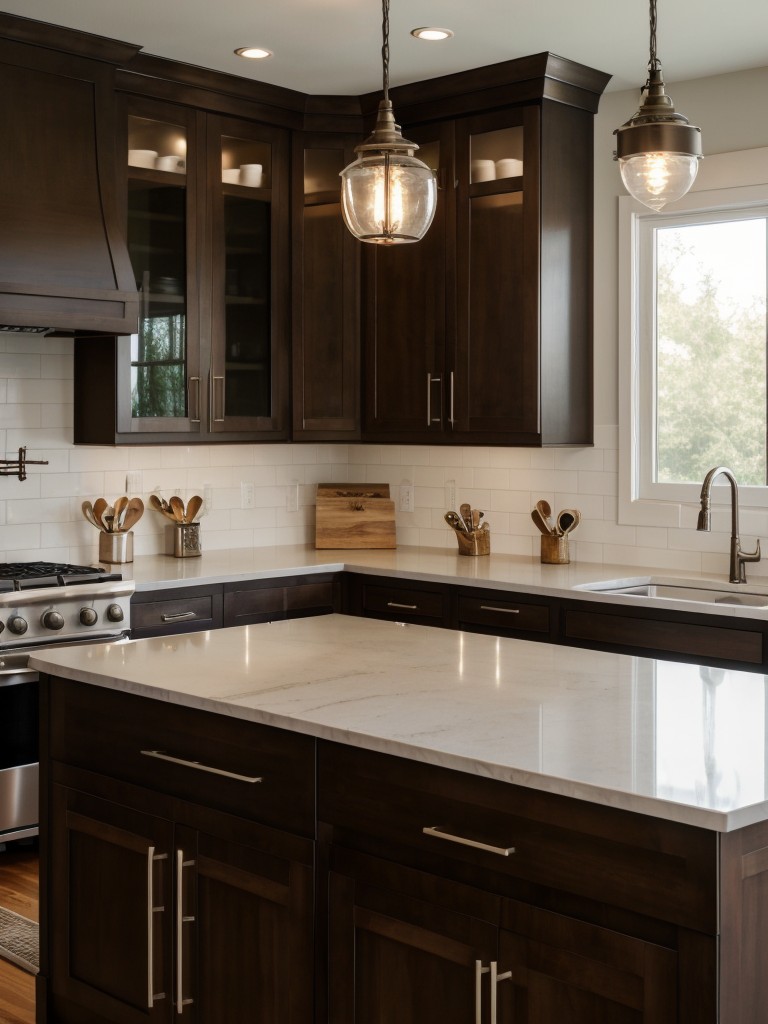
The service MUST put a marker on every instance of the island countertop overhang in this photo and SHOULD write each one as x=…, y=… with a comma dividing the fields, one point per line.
x=671, y=740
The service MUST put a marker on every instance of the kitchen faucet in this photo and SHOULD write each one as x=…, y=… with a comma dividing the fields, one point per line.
x=738, y=572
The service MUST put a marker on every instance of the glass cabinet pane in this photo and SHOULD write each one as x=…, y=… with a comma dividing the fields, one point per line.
x=157, y=243
x=247, y=285
x=496, y=155
x=246, y=162
x=156, y=145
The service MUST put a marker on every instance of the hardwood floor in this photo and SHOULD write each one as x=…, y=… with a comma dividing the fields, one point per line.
x=19, y=893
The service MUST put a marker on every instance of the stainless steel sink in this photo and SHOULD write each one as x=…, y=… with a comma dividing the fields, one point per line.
x=706, y=592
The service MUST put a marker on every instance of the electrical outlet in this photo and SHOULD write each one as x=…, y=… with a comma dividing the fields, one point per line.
x=247, y=494
x=292, y=496
x=450, y=494
x=406, y=496
x=133, y=482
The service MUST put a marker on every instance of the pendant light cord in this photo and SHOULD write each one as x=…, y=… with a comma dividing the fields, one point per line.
x=385, y=46
x=653, y=62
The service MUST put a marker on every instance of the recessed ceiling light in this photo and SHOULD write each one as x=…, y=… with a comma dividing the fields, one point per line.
x=432, y=35
x=253, y=52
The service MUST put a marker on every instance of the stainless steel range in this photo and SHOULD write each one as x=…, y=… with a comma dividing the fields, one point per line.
x=42, y=604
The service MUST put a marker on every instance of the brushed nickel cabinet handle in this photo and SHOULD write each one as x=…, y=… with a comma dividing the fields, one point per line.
x=150, y=927
x=429, y=400
x=493, y=608
x=181, y=920
x=435, y=830
x=451, y=418
x=151, y=911
x=194, y=419
x=479, y=972
x=177, y=616
x=409, y=607
x=495, y=979
x=162, y=756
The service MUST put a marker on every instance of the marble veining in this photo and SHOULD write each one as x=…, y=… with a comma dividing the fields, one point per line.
x=673, y=740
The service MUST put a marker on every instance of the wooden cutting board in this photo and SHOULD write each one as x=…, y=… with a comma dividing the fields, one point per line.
x=355, y=516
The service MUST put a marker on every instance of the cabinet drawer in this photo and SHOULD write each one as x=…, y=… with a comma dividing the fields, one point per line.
x=506, y=838
x=395, y=602
x=500, y=613
x=182, y=611
x=207, y=758
x=269, y=600
x=675, y=637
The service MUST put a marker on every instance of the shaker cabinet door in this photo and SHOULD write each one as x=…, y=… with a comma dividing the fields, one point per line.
x=111, y=911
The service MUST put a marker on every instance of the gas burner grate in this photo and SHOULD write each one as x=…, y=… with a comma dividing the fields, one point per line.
x=22, y=575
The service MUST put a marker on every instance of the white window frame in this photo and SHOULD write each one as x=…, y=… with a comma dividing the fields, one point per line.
x=728, y=185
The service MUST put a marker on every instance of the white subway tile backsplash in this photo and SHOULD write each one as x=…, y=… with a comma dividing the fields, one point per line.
x=41, y=516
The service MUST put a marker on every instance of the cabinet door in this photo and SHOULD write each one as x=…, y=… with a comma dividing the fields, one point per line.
x=111, y=900
x=496, y=359
x=248, y=188
x=405, y=320
x=245, y=921
x=326, y=296
x=407, y=957
x=160, y=390
x=567, y=970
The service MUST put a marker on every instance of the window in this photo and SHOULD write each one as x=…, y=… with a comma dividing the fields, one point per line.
x=694, y=357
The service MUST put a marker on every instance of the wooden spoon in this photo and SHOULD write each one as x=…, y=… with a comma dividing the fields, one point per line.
x=540, y=521
x=177, y=507
x=546, y=512
x=193, y=507
x=88, y=513
x=161, y=506
x=133, y=513
x=99, y=507
x=120, y=506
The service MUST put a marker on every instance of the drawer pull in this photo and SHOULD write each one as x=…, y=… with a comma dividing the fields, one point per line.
x=493, y=608
x=409, y=607
x=162, y=756
x=435, y=830
x=495, y=979
x=479, y=972
x=177, y=616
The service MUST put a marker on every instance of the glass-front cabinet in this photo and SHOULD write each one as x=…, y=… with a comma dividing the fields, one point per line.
x=206, y=218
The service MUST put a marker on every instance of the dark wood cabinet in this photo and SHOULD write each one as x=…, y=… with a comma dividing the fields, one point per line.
x=325, y=294
x=163, y=906
x=481, y=333
x=280, y=598
x=63, y=260
x=206, y=212
x=176, y=610
x=191, y=609
x=453, y=936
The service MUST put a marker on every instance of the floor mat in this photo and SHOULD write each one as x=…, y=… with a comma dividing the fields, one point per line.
x=19, y=941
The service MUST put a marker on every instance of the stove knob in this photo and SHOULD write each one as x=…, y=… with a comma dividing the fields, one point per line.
x=89, y=616
x=115, y=613
x=17, y=625
x=52, y=620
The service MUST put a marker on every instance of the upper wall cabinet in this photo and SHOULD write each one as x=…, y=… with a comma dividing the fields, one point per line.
x=325, y=294
x=482, y=332
x=206, y=216
x=63, y=262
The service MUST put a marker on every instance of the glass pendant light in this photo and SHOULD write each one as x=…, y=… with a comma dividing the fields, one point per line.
x=657, y=149
x=388, y=196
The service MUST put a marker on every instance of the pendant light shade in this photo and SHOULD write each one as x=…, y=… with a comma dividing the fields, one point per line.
x=388, y=196
x=657, y=149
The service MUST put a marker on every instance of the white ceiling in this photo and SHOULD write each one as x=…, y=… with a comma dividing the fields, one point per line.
x=333, y=46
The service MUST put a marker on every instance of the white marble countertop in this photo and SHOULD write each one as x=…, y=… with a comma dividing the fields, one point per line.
x=496, y=572
x=675, y=741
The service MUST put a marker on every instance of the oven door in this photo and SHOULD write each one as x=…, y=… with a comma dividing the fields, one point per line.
x=18, y=753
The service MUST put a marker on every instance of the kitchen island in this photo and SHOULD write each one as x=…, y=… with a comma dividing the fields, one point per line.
x=469, y=805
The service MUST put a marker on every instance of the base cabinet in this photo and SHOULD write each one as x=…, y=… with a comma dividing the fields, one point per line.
x=412, y=947
x=159, y=920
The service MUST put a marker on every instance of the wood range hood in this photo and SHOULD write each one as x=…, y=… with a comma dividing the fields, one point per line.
x=63, y=258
